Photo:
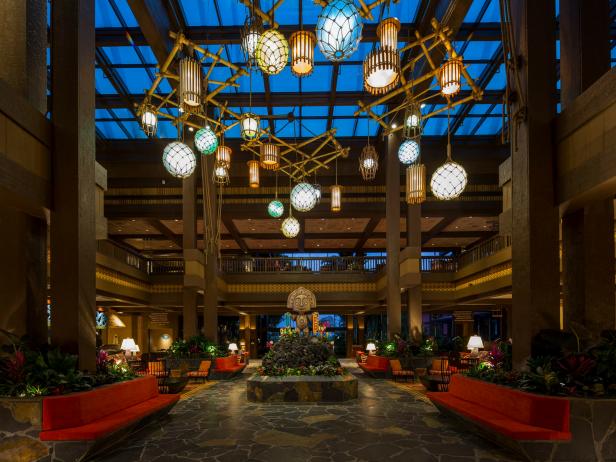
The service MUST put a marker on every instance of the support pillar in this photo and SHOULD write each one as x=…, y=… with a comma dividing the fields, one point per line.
x=588, y=233
x=210, y=297
x=189, y=243
x=392, y=218
x=413, y=294
x=535, y=259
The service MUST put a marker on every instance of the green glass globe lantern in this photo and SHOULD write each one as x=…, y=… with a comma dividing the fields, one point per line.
x=206, y=141
x=275, y=209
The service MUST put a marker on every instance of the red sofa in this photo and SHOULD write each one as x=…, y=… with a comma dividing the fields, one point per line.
x=376, y=366
x=95, y=414
x=227, y=367
x=509, y=413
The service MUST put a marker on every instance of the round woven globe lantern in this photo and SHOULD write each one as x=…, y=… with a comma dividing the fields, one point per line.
x=302, y=52
x=179, y=160
x=448, y=181
x=450, y=77
x=303, y=197
x=223, y=156
x=336, y=204
x=272, y=52
x=338, y=30
x=250, y=33
x=368, y=162
x=206, y=141
x=408, y=152
x=249, y=126
x=275, y=208
x=149, y=120
x=189, y=90
x=416, y=184
x=253, y=173
x=270, y=156
x=290, y=227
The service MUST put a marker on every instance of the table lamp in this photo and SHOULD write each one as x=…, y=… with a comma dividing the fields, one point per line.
x=474, y=343
x=128, y=345
x=371, y=348
x=232, y=347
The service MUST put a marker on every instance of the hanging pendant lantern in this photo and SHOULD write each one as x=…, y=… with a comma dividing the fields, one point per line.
x=409, y=151
x=450, y=77
x=190, y=84
x=149, y=119
x=317, y=192
x=270, y=156
x=412, y=120
x=302, y=53
x=449, y=180
x=338, y=30
x=179, y=160
x=387, y=31
x=206, y=141
x=221, y=174
x=415, y=184
x=253, y=173
x=368, y=162
x=382, y=66
x=223, y=156
x=249, y=126
x=275, y=208
x=250, y=34
x=290, y=227
x=272, y=52
x=336, y=204
x=303, y=197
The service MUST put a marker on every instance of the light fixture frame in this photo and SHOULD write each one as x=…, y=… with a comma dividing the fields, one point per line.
x=368, y=153
x=415, y=184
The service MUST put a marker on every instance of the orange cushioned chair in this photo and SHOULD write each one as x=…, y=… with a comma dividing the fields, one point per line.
x=397, y=372
x=202, y=372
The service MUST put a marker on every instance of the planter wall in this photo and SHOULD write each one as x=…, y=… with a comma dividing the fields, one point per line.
x=308, y=389
x=20, y=424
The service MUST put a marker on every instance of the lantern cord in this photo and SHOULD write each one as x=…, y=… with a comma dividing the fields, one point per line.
x=290, y=206
x=448, y=130
x=276, y=187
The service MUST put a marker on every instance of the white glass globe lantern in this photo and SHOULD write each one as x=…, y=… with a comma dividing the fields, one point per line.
x=408, y=152
x=275, y=209
x=338, y=30
x=206, y=141
x=303, y=197
x=179, y=160
x=272, y=52
x=448, y=181
x=290, y=227
x=249, y=126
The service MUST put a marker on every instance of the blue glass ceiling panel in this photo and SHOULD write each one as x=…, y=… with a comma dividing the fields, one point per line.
x=345, y=110
x=122, y=55
x=136, y=80
x=480, y=109
x=102, y=114
x=492, y=12
x=321, y=111
x=284, y=110
x=490, y=126
x=103, y=85
x=319, y=80
x=435, y=126
x=498, y=81
x=313, y=127
x=104, y=16
x=233, y=132
x=350, y=78
x=122, y=113
x=134, y=129
x=111, y=130
x=205, y=13
x=166, y=130
x=284, y=82
x=284, y=129
x=477, y=50
x=467, y=126
x=344, y=127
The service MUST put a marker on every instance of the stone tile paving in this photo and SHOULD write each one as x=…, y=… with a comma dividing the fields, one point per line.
x=386, y=423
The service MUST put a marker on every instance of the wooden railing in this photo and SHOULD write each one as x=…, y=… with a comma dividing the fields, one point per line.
x=119, y=253
x=483, y=250
x=235, y=265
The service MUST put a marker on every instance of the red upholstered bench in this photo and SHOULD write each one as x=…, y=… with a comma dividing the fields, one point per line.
x=376, y=366
x=511, y=415
x=107, y=410
x=227, y=367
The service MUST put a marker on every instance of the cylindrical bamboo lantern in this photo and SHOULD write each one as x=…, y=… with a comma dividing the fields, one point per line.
x=223, y=156
x=387, y=32
x=270, y=156
x=190, y=83
x=450, y=76
x=415, y=184
x=302, y=52
x=253, y=173
x=336, y=204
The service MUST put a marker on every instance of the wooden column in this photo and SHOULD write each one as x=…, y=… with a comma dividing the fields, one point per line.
x=189, y=243
x=535, y=260
x=210, y=298
x=73, y=229
x=392, y=218
x=413, y=294
x=587, y=233
x=361, y=330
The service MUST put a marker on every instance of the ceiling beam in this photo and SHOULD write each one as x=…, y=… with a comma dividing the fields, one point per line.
x=437, y=229
x=237, y=237
x=154, y=24
x=368, y=230
x=332, y=95
x=166, y=232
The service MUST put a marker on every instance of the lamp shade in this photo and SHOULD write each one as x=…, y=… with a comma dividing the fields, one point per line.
x=474, y=342
x=368, y=162
x=275, y=209
x=272, y=52
x=448, y=181
x=221, y=174
x=412, y=120
x=302, y=53
x=253, y=173
x=381, y=70
x=270, y=156
x=206, y=141
x=371, y=347
x=149, y=119
x=128, y=344
x=450, y=75
x=232, y=347
x=223, y=156
x=190, y=84
x=317, y=192
x=179, y=160
x=249, y=126
x=339, y=28
x=408, y=152
x=415, y=184
x=336, y=204
x=252, y=30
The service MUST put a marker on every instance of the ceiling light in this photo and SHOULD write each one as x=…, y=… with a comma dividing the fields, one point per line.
x=450, y=75
x=302, y=53
x=253, y=173
x=368, y=162
x=221, y=173
x=275, y=209
x=415, y=184
x=252, y=30
x=409, y=151
x=223, y=156
x=149, y=119
x=412, y=120
x=303, y=197
x=189, y=90
x=206, y=141
x=290, y=227
x=179, y=160
x=339, y=28
x=382, y=65
x=336, y=200
x=448, y=181
x=249, y=126
x=272, y=52
x=270, y=156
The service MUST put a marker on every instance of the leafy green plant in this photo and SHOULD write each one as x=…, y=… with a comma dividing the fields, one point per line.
x=541, y=377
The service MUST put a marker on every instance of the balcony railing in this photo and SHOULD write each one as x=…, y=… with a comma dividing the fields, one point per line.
x=483, y=250
x=236, y=265
x=129, y=258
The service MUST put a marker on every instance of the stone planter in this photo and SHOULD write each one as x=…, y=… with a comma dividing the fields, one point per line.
x=20, y=424
x=308, y=389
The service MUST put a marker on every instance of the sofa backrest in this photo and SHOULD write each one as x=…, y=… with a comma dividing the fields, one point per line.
x=226, y=362
x=529, y=408
x=377, y=361
x=77, y=409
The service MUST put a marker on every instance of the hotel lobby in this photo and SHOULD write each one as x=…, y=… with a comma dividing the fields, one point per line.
x=307, y=230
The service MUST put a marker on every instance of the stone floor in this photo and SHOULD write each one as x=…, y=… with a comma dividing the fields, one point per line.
x=389, y=422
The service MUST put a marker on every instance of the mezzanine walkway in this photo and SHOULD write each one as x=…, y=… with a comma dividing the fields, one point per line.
x=386, y=423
